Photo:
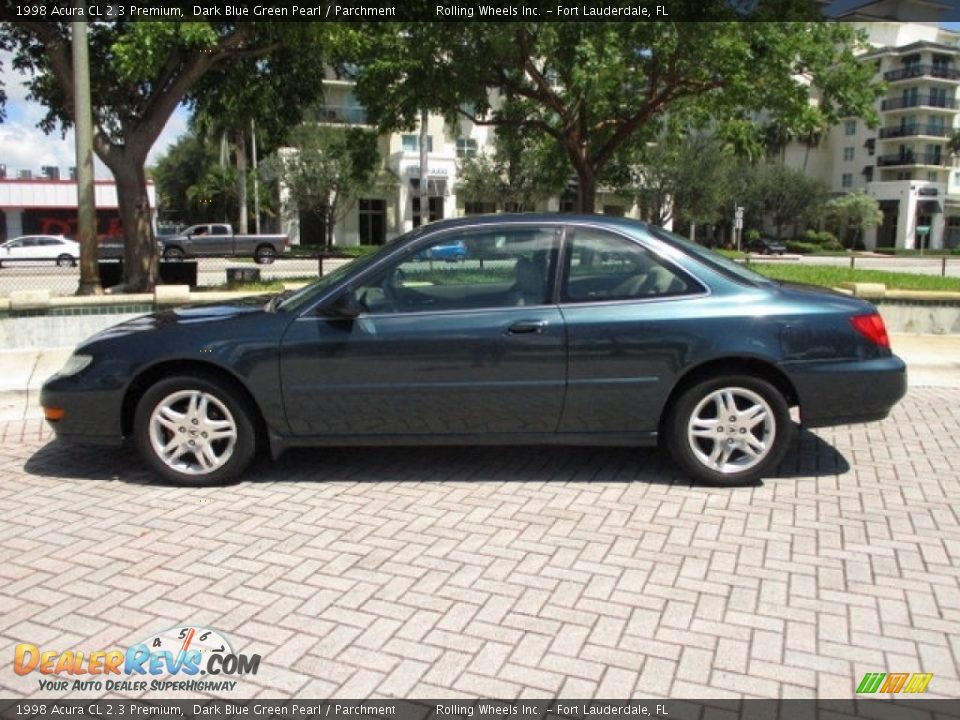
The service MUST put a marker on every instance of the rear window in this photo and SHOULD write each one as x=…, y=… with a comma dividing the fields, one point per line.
x=733, y=270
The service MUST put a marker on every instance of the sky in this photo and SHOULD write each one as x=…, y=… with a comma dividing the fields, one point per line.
x=24, y=146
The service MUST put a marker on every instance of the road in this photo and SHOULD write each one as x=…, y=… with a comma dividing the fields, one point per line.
x=212, y=271
x=918, y=265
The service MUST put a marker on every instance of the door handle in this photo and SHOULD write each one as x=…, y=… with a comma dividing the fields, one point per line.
x=525, y=327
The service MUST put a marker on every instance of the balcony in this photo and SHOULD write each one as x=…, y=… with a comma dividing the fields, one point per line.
x=898, y=131
x=915, y=71
x=918, y=101
x=909, y=158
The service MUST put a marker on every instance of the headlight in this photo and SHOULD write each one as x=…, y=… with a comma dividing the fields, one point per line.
x=75, y=363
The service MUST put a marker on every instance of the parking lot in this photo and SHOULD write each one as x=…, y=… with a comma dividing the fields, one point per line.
x=505, y=572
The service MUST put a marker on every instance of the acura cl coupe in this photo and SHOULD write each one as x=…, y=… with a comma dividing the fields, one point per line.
x=562, y=329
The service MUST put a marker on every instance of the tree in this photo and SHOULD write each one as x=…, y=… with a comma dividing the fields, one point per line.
x=184, y=165
x=784, y=195
x=679, y=175
x=140, y=73
x=519, y=172
x=594, y=87
x=326, y=169
x=851, y=214
x=230, y=101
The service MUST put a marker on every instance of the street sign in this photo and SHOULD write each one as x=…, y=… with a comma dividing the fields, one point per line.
x=738, y=223
x=923, y=229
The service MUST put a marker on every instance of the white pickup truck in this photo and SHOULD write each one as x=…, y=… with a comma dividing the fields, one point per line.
x=218, y=240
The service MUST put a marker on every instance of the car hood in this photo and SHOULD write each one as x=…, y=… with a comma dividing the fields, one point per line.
x=189, y=315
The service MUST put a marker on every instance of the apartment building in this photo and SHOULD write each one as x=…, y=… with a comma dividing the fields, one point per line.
x=908, y=163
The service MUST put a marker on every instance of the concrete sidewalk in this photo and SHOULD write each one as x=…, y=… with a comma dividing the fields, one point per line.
x=933, y=360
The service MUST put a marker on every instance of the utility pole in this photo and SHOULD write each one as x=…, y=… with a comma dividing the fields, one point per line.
x=83, y=131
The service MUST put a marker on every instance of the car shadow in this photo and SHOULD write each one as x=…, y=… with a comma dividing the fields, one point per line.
x=809, y=456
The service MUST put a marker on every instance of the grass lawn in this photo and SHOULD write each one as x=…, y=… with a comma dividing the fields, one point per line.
x=833, y=276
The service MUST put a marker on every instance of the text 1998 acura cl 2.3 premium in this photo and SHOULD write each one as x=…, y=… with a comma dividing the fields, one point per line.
x=553, y=329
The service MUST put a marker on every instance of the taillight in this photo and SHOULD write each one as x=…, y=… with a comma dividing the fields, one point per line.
x=872, y=328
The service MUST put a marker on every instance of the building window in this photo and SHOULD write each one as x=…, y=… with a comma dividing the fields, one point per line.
x=932, y=176
x=846, y=180
x=850, y=127
x=373, y=221
x=466, y=147
x=411, y=143
x=847, y=154
x=433, y=206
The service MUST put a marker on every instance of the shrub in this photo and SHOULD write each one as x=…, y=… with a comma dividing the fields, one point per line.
x=823, y=238
x=804, y=248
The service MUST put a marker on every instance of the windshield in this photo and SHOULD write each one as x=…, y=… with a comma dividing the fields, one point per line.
x=305, y=295
x=715, y=261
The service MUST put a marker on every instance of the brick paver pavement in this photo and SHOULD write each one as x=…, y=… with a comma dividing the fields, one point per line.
x=505, y=572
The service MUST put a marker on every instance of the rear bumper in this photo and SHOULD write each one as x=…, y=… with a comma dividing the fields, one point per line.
x=840, y=393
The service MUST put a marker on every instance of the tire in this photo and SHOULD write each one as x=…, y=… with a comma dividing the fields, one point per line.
x=702, y=413
x=66, y=261
x=264, y=255
x=173, y=253
x=164, y=412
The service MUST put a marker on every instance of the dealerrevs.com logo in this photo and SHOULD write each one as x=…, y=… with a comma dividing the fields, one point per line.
x=185, y=651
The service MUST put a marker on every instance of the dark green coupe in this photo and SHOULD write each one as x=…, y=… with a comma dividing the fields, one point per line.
x=555, y=329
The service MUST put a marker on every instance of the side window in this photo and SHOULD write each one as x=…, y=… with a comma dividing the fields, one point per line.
x=500, y=267
x=30, y=242
x=50, y=241
x=219, y=230
x=605, y=267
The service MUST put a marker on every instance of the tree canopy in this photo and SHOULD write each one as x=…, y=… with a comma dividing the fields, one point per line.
x=592, y=87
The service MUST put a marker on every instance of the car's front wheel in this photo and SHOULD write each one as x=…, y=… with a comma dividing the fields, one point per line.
x=173, y=253
x=194, y=430
x=66, y=261
x=729, y=430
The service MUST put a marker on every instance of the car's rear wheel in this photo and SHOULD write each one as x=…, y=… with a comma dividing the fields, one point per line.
x=66, y=261
x=173, y=253
x=195, y=430
x=729, y=430
x=265, y=255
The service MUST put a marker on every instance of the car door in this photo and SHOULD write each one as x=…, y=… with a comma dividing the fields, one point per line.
x=631, y=321
x=437, y=348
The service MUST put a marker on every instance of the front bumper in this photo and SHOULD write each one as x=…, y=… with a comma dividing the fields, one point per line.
x=90, y=415
x=840, y=393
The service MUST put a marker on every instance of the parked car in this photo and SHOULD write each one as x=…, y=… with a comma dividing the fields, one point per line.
x=218, y=240
x=767, y=246
x=454, y=251
x=584, y=330
x=40, y=248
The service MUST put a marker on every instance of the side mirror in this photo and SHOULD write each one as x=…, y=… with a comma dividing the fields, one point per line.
x=345, y=306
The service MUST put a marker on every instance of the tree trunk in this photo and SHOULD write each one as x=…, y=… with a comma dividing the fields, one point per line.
x=140, y=272
x=586, y=189
x=240, y=148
